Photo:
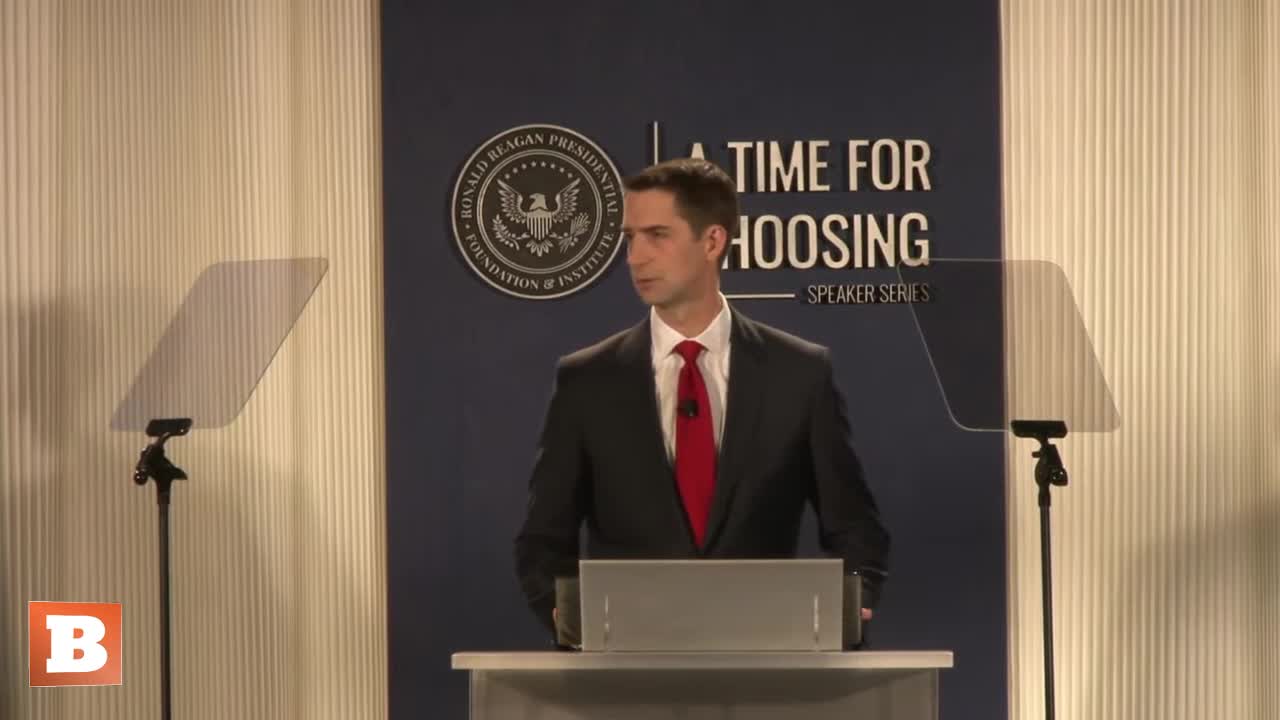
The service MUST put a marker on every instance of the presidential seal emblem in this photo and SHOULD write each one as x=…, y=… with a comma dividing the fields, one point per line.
x=537, y=212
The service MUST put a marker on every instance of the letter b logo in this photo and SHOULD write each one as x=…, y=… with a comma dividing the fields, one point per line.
x=74, y=643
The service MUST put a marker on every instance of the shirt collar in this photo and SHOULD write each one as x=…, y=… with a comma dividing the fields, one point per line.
x=715, y=338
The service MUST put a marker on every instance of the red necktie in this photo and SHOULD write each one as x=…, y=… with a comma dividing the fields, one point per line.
x=695, y=442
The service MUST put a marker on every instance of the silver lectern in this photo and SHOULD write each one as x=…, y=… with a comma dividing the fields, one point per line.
x=694, y=639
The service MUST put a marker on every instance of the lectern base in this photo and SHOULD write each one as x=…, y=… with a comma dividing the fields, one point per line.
x=697, y=686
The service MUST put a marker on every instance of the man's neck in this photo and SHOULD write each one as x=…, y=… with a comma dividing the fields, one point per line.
x=691, y=319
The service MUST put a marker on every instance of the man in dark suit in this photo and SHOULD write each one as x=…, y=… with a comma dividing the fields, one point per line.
x=698, y=433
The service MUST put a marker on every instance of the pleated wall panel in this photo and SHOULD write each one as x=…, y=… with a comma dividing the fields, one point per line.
x=142, y=141
x=1141, y=147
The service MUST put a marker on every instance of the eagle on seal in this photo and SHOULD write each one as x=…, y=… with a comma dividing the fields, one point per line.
x=538, y=217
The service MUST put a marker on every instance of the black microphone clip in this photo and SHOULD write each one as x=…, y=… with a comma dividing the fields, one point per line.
x=689, y=408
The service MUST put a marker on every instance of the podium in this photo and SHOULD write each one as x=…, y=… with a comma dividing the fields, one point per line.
x=694, y=639
x=703, y=686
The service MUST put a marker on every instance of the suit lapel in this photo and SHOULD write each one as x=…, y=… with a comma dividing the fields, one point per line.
x=635, y=355
x=747, y=378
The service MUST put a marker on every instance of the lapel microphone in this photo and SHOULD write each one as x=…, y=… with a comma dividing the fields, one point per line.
x=688, y=408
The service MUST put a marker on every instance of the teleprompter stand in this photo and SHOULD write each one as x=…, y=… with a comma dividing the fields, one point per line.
x=201, y=374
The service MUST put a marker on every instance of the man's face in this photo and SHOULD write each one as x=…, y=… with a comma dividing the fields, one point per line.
x=669, y=264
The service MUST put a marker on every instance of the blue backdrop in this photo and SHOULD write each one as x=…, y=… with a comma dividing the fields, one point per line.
x=469, y=368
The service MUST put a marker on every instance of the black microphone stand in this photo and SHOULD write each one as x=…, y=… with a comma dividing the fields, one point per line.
x=153, y=464
x=1049, y=471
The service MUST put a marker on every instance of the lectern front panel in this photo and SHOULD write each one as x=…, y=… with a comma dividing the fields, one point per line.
x=711, y=605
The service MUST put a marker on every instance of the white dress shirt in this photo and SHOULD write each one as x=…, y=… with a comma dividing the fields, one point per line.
x=712, y=362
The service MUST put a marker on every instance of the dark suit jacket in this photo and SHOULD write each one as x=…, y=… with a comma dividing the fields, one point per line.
x=602, y=461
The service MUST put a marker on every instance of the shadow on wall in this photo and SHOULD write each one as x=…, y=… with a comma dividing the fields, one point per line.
x=38, y=402
x=1180, y=623
x=1267, y=640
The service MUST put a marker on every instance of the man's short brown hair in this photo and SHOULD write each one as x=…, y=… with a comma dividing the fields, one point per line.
x=705, y=194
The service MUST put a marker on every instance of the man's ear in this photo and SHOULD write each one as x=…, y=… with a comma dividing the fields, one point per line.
x=717, y=239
